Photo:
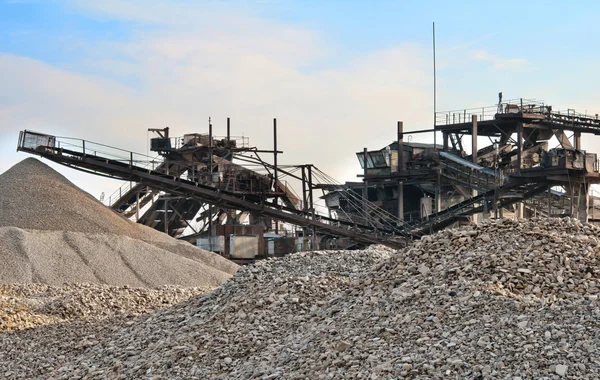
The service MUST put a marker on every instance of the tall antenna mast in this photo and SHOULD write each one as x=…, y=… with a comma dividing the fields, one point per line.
x=434, y=91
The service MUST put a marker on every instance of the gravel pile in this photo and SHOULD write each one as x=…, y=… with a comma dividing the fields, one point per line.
x=58, y=257
x=505, y=299
x=41, y=326
x=34, y=305
x=34, y=196
x=131, y=346
x=51, y=232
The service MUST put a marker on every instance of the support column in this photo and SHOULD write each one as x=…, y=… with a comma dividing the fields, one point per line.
x=401, y=167
x=401, y=200
x=401, y=162
x=304, y=204
x=519, y=147
x=364, y=193
x=474, y=140
x=572, y=203
x=228, y=131
x=584, y=202
x=577, y=140
x=304, y=207
x=549, y=201
x=495, y=205
x=520, y=209
x=137, y=206
x=275, y=187
x=438, y=191
x=310, y=192
x=445, y=138
x=210, y=154
x=475, y=217
x=591, y=199
x=166, y=217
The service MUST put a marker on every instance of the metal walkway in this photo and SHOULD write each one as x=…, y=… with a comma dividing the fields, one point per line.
x=125, y=165
x=96, y=159
x=466, y=173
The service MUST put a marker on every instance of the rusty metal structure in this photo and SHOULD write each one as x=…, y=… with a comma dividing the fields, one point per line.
x=202, y=183
x=199, y=182
x=430, y=187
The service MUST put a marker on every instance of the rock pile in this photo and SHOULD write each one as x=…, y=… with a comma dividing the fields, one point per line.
x=34, y=305
x=504, y=299
x=52, y=232
x=163, y=336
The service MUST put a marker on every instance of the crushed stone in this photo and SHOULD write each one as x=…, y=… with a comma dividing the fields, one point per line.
x=369, y=314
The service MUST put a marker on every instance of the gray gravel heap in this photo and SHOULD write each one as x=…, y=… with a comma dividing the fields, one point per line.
x=504, y=299
x=58, y=257
x=52, y=232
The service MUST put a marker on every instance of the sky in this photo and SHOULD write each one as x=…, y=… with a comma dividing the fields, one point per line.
x=337, y=75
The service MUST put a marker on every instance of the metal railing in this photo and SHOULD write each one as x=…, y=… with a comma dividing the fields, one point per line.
x=179, y=142
x=515, y=106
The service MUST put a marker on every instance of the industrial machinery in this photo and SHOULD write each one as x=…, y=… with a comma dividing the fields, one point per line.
x=210, y=184
x=432, y=186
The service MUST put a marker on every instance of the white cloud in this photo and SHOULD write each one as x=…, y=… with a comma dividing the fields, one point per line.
x=482, y=55
x=499, y=63
x=238, y=66
x=511, y=63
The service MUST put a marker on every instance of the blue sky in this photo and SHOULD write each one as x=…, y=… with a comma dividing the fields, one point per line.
x=336, y=74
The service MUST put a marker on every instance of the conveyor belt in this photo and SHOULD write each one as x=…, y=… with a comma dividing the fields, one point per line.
x=128, y=171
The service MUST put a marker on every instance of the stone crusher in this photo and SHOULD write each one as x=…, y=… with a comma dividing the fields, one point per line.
x=188, y=168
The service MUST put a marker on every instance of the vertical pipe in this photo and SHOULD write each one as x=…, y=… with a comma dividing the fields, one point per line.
x=276, y=188
x=166, y=224
x=434, y=90
x=401, y=163
x=549, y=203
x=364, y=194
x=210, y=146
x=210, y=154
x=193, y=171
x=519, y=146
x=228, y=131
x=229, y=145
x=521, y=109
x=571, y=205
x=275, y=154
x=474, y=154
x=445, y=136
x=304, y=208
x=310, y=191
x=474, y=141
x=304, y=203
x=577, y=140
x=137, y=206
x=438, y=191
x=401, y=200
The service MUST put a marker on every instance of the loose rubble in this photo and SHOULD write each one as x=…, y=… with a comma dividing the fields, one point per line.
x=504, y=299
x=33, y=305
